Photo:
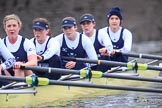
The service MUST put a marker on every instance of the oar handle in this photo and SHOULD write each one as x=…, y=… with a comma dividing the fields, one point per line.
x=118, y=53
x=68, y=58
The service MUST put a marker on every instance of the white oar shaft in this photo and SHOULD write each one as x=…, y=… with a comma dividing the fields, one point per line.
x=118, y=67
x=8, y=85
x=152, y=62
x=18, y=91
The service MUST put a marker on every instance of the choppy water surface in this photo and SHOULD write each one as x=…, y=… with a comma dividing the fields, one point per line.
x=126, y=100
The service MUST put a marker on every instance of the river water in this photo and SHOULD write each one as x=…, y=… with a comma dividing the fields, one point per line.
x=128, y=99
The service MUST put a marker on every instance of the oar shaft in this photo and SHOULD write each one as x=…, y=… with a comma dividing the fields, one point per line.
x=18, y=91
x=158, y=68
x=137, y=89
x=51, y=70
x=95, y=74
x=126, y=77
x=99, y=62
x=9, y=78
x=129, y=65
x=45, y=81
x=145, y=56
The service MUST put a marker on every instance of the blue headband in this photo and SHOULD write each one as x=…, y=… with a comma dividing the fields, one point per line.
x=86, y=18
x=68, y=23
x=40, y=25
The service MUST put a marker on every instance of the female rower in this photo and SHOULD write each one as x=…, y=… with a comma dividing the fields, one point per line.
x=100, y=39
x=47, y=48
x=74, y=44
x=21, y=47
x=121, y=38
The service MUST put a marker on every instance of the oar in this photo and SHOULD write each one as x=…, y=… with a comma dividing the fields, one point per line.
x=68, y=77
x=8, y=85
x=45, y=81
x=151, y=62
x=121, y=69
x=129, y=65
x=85, y=73
x=145, y=56
x=18, y=91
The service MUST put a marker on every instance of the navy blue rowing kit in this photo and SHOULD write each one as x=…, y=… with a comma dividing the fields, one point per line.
x=20, y=54
x=78, y=52
x=53, y=61
x=118, y=45
x=98, y=46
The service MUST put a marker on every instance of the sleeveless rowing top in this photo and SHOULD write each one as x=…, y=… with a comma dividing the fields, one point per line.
x=20, y=54
x=78, y=52
x=97, y=46
x=117, y=45
x=34, y=41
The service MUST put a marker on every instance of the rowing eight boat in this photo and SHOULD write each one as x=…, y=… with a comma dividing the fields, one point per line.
x=53, y=95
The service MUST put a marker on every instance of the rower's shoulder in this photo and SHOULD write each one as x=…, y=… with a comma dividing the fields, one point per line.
x=127, y=31
x=103, y=29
